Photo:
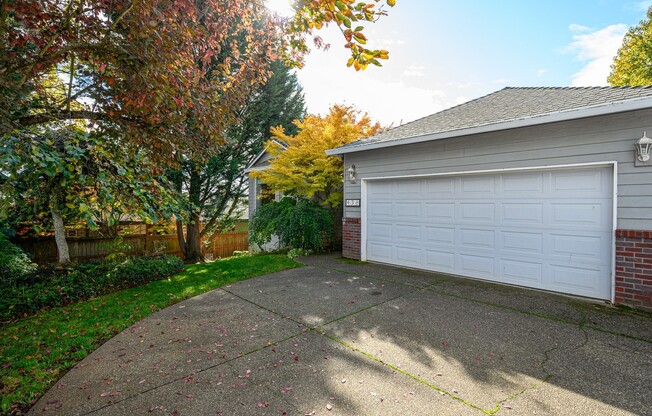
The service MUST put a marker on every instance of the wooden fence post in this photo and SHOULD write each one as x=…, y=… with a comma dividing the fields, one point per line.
x=146, y=238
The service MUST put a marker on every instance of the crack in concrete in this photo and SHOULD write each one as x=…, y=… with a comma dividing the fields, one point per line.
x=319, y=330
x=548, y=375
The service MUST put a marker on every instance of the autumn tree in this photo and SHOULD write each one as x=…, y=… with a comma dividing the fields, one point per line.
x=135, y=64
x=215, y=189
x=142, y=66
x=633, y=63
x=301, y=167
x=65, y=175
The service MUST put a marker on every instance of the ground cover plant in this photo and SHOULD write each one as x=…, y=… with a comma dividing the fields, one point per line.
x=36, y=351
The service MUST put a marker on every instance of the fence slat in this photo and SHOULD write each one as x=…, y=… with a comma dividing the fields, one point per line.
x=44, y=249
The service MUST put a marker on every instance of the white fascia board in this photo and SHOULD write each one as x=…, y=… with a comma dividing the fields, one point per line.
x=257, y=158
x=249, y=170
x=564, y=115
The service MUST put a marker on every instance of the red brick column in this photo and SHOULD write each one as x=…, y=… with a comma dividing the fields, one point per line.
x=351, y=238
x=634, y=268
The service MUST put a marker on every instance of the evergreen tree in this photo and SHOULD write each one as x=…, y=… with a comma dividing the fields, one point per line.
x=216, y=189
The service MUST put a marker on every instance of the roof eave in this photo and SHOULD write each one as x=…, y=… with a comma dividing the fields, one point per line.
x=564, y=115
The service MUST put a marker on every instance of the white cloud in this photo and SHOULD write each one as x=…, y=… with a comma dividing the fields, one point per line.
x=574, y=27
x=414, y=71
x=596, y=49
x=541, y=72
x=500, y=81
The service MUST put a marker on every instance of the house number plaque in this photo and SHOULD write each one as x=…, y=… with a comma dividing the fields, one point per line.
x=352, y=203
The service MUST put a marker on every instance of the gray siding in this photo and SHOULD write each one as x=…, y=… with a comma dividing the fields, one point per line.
x=253, y=195
x=596, y=139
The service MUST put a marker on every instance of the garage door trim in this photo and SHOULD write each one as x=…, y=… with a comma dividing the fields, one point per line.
x=612, y=164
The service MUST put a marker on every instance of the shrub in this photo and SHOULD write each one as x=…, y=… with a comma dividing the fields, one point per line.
x=298, y=223
x=297, y=252
x=83, y=282
x=15, y=265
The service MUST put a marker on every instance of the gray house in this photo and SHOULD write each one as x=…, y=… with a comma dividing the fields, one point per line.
x=548, y=188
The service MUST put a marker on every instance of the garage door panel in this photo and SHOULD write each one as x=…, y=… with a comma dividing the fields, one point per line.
x=522, y=213
x=477, y=212
x=380, y=231
x=440, y=211
x=548, y=229
x=522, y=242
x=575, y=278
x=407, y=232
x=382, y=189
x=409, y=255
x=381, y=210
x=517, y=185
x=408, y=210
x=478, y=185
x=439, y=187
x=474, y=238
x=578, y=214
x=440, y=235
x=380, y=252
x=440, y=260
x=572, y=246
x=477, y=266
x=585, y=181
x=522, y=272
x=409, y=188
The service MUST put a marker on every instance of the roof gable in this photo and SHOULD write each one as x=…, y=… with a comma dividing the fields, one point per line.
x=501, y=109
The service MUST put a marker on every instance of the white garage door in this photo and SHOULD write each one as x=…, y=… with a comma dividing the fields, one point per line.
x=543, y=229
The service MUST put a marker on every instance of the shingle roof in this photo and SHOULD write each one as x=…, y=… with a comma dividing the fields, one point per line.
x=505, y=105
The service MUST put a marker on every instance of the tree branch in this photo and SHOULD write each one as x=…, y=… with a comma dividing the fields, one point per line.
x=71, y=115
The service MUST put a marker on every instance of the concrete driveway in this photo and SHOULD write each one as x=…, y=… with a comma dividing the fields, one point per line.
x=334, y=338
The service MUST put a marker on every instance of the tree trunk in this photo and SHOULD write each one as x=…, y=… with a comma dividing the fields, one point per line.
x=181, y=239
x=190, y=244
x=193, y=241
x=59, y=232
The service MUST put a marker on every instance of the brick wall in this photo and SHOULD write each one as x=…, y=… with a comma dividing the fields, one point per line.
x=351, y=238
x=634, y=268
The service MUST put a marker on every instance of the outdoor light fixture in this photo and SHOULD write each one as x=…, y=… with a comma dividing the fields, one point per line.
x=643, y=147
x=351, y=171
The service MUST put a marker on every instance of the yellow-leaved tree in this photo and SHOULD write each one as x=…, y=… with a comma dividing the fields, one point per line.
x=299, y=165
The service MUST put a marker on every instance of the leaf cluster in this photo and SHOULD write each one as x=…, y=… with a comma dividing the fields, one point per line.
x=349, y=16
x=15, y=265
x=298, y=223
x=633, y=64
x=81, y=174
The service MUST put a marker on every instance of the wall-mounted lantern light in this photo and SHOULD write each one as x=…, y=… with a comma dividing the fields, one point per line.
x=351, y=173
x=643, y=147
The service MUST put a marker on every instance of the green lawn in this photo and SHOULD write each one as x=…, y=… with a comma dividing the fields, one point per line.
x=36, y=351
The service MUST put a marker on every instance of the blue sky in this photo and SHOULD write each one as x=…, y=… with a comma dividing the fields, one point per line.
x=443, y=53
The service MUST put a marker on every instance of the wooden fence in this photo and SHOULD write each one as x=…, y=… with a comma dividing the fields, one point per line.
x=82, y=249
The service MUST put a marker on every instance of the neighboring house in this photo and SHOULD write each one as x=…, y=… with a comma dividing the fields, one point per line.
x=257, y=196
x=536, y=187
